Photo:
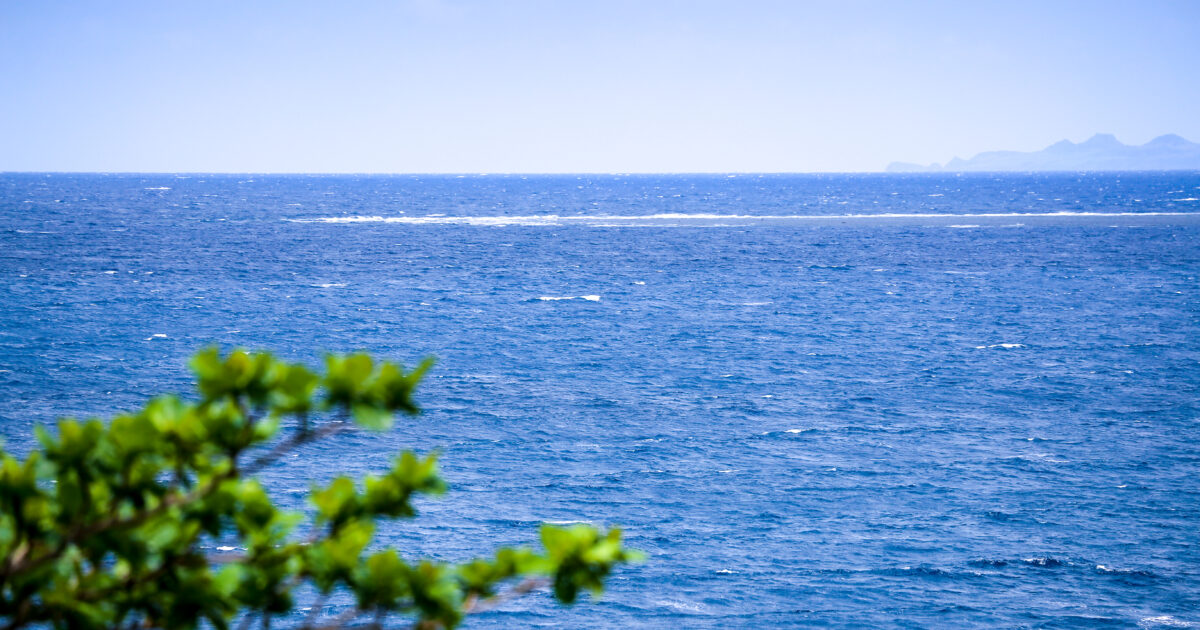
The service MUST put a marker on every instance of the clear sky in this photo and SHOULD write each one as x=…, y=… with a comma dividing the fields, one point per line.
x=581, y=86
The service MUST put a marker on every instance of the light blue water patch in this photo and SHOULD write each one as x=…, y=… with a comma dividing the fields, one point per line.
x=870, y=401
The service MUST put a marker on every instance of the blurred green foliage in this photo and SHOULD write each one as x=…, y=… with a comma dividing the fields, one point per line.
x=106, y=526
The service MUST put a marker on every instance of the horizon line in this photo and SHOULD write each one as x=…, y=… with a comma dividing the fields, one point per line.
x=580, y=173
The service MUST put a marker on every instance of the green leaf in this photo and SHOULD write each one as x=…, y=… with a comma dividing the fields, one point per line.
x=346, y=378
x=293, y=391
x=480, y=577
x=337, y=503
x=382, y=581
x=266, y=428
x=436, y=593
x=581, y=558
x=335, y=558
x=372, y=417
x=227, y=580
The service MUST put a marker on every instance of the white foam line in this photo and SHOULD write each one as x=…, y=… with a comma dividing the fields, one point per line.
x=553, y=219
x=589, y=298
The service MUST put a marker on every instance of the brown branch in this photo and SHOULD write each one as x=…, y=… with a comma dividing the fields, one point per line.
x=338, y=622
x=315, y=611
x=21, y=616
x=126, y=585
x=246, y=621
x=476, y=605
x=300, y=438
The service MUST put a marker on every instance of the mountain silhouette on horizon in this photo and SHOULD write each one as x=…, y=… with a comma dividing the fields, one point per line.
x=1101, y=152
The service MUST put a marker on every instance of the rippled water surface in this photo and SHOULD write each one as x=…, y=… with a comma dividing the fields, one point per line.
x=875, y=401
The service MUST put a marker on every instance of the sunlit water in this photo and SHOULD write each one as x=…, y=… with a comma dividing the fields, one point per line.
x=867, y=401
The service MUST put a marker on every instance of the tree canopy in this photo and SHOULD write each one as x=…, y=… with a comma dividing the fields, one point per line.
x=112, y=525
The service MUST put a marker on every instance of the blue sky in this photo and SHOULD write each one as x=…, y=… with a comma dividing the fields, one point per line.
x=575, y=86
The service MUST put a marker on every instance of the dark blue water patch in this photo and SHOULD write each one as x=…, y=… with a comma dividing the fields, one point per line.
x=889, y=421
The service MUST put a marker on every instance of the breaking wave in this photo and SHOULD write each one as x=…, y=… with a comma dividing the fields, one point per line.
x=704, y=219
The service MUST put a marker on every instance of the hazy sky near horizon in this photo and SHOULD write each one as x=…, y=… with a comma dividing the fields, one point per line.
x=579, y=86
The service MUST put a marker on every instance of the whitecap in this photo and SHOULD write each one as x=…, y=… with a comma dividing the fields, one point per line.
x=1165, y=621
x=329, y=285
x=728, y=220
x=968, y=225
x=158, y=188
x=682, y=606
x=1001, y=345
x=551, y=298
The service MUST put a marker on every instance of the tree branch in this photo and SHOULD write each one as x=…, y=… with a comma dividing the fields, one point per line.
x=298, y=439
x=338, y=622
x=528, y=585
x=21, y=562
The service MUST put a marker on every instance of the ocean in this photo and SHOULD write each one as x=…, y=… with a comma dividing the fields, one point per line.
x=815, y=400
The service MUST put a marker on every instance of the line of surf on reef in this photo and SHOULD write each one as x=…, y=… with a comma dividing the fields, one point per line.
x=734, y=220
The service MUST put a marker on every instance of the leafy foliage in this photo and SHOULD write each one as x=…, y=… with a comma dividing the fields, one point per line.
x=104, y=526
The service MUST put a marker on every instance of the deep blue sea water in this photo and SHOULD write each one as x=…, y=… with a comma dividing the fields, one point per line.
x=824, y=400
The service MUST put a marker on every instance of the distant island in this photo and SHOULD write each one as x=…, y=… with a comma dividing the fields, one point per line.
x=1101, y=152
